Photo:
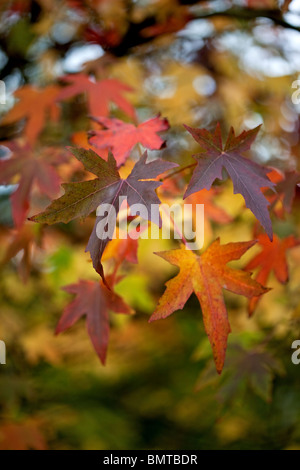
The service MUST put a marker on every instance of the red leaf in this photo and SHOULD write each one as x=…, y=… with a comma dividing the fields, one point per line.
x=271, y=258
x=32, y=170
x=212, y=212
x=286, y=185
x=99, y=94
x=94, y=300
x=171, y=25
x=23, y=239
x=120, y=137
x=286, y=188
x=23, y=435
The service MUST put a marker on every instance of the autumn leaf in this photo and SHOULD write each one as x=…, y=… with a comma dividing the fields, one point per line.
x=122, y=249
x=94, y=300
x=286, y=188
x=120, y=137
x=33, y=168
x=286, y=185
x=23, y=435
x=276, y=176
x=271, y=258
x=107, y=38
x=247, y=176
x=99, y=94
x=34, y=105
x=80, y=199
x=22, y=240
x=171, y=25
x=256, y=368
x=207, y=275
x=212, y=212
x=253, y=368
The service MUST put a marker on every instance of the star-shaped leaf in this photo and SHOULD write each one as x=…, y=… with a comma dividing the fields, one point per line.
x=34, y=105
x=120, y=137
x=94, y=300
x=99, y=94
x=271, y=258
x=80, y=199
x=247, y=176
x=207, y=275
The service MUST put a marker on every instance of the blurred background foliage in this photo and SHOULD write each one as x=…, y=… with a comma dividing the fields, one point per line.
x=195, y=62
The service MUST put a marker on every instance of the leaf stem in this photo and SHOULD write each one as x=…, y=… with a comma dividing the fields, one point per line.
x=170, y=175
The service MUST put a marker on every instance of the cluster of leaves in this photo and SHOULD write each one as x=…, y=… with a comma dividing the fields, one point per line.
x=102, y=115
x=207, y=275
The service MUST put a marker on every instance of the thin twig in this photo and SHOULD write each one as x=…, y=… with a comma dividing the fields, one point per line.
x=170, y=175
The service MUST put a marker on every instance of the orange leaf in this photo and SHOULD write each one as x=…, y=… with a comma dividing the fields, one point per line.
x=271, y=258
x=23, y=435
x=207, y=275
x=34, y=104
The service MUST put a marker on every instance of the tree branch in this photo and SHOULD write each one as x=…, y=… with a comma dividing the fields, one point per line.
x=250, y=14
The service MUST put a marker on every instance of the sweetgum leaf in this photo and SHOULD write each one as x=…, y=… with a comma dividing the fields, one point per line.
x=80, y=199
x=247, y=176
x=94, y=301
x=207, y=275
x=120, y=137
